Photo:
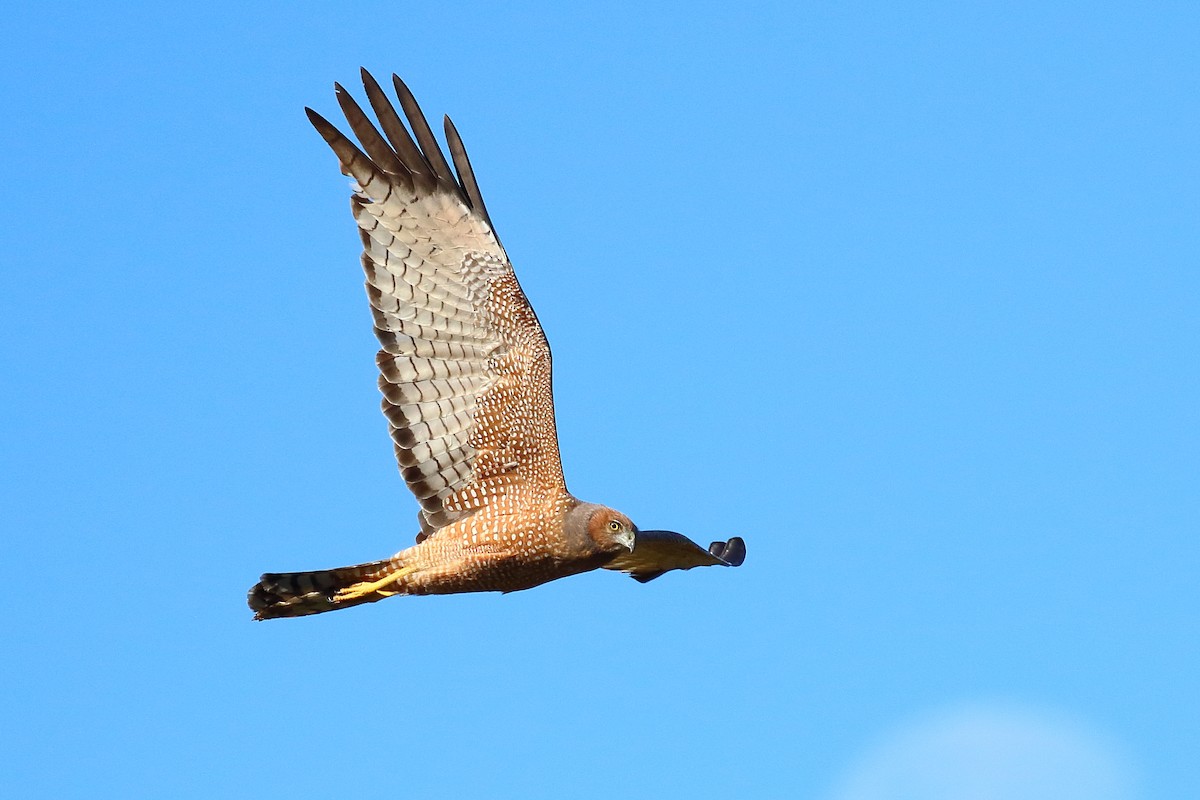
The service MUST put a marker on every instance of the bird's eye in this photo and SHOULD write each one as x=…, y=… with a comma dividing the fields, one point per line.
x=614, y=526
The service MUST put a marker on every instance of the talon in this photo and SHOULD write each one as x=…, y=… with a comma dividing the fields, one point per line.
x=360, y=590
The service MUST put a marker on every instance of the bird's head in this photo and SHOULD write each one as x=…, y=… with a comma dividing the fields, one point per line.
x=600, y=528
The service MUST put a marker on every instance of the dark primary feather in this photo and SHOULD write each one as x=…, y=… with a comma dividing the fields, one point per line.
x=394, y=130
x=466, y=175
x=374, y=145
x=424, y=134
x=354, y=162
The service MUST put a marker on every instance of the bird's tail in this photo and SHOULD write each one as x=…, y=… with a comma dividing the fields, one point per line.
x=297, y=594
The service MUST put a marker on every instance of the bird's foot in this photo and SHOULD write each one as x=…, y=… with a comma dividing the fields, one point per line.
x=385, y=587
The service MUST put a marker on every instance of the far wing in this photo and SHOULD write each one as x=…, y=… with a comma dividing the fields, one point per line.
x=656, y=552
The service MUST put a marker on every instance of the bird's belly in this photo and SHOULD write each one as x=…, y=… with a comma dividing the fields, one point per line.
x=498, y=569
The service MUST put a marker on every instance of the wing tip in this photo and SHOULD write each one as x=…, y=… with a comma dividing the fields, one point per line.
x=324, y=127
x=732, y=552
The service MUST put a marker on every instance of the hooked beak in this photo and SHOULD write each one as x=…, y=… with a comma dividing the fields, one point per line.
x=627, y=538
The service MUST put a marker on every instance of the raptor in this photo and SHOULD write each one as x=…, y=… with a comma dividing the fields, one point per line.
x=465, y=375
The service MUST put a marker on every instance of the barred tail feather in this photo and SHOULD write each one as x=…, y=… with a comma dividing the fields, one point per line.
x=298, y=594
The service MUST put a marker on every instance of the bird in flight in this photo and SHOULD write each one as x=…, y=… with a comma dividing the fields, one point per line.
x=465, y=375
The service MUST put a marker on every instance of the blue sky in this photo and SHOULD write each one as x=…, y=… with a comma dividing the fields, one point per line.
x=909, y=298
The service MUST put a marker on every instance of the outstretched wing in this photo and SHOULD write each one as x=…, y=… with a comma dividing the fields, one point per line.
x=656, y=552
x=464, y=365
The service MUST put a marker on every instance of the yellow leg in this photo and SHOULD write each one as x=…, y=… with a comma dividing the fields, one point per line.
x=361, y=590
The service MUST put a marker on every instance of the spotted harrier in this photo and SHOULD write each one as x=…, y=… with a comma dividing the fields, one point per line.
x=465, y=375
